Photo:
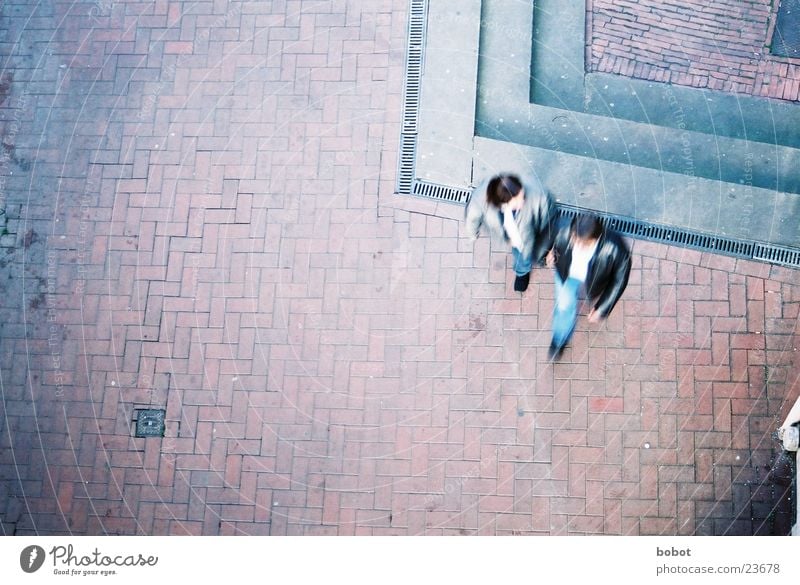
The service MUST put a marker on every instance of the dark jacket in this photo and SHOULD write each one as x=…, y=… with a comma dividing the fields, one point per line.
x=609, y=268
x=536, y=219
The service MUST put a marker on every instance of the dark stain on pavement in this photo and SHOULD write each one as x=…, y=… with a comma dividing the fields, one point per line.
x=11, y=151
x=5, y=86
x=29, y=238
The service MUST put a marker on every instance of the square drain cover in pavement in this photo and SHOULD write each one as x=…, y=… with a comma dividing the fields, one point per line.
x=786, y=38
x=150, y=423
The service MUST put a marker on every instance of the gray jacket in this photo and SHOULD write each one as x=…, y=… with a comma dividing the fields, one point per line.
x=536, y=218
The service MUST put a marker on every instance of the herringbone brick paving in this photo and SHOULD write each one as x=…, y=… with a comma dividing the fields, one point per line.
x=201, y=220
x=722, y=46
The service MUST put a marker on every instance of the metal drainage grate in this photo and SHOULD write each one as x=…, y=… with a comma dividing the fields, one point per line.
x=150, y=423
x=411, y=92
x=777, y=255
x=786, y=37
x=413, y=88
x=695, y=240
x=406, y=163
x=441, y=192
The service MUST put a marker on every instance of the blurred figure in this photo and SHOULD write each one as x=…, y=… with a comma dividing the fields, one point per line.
x=586, y=256
x=518, y=212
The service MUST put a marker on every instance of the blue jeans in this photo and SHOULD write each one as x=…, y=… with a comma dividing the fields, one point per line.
x=522, y=263
x=565, y=310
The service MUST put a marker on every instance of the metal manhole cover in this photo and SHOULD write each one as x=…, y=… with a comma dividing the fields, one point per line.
x=150, y=423
x=786, y=39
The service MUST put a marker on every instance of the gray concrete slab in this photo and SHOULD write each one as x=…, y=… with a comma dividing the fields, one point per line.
x=559, y=44
x=449, y=90
x=717, y=113
x=691, y=131
x=677, y=151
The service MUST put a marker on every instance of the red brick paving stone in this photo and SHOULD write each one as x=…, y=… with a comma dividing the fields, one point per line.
x=721, y=47
x=292, y=352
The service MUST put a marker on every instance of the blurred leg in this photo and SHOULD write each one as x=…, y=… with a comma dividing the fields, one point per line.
x=565, y=310
x=522, y=263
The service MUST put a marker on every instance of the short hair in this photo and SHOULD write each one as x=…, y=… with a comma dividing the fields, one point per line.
x=588, y=227
x=502, y=189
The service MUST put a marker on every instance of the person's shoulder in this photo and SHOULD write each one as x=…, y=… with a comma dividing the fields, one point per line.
x=615, y=239
x=478, y=194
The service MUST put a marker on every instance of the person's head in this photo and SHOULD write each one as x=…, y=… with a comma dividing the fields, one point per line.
x=502, y=189
x=587, y=229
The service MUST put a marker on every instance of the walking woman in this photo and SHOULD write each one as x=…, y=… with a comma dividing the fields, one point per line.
x=518, y=212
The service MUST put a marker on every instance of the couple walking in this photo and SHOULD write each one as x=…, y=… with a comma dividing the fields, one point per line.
x=587, y=257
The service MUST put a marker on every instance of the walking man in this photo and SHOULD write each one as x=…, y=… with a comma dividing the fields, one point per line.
x=515, y=211
x=586, y=256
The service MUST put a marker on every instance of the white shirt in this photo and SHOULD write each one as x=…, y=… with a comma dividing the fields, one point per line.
x=511, y=227
x=580, y=261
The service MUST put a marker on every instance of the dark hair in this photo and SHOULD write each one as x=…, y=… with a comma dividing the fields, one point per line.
x=502, y=189
x=587, y=227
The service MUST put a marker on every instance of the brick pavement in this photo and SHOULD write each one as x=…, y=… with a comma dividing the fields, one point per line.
x=201, y=219
x=724, y=46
